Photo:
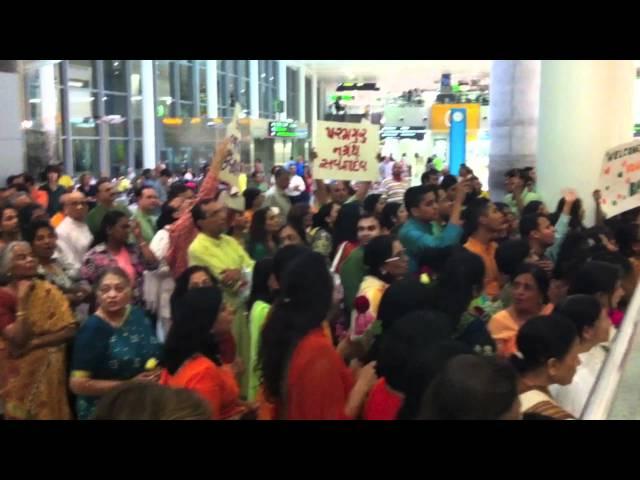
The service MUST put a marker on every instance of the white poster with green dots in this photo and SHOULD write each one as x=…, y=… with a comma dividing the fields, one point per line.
x=620, y=179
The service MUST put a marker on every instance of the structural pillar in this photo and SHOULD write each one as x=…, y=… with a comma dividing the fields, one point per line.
x=148, y=115
x=586, y=107
x=302, y=95
x=212, y=88
x=254, y=89
x=314, y=108
x=513, y=117
x=11, y=137
x=282, y=84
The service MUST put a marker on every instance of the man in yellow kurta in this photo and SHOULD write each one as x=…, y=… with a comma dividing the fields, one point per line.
x=229, y=263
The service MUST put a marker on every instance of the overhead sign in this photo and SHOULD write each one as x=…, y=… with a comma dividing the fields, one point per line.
x=620, y=179
x=283, y=129
x=441, y=115
x=348, y=86
x=417, y=133
x=346, y=151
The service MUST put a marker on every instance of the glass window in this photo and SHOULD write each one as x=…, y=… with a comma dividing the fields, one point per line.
x=163, y=80
x=115, y=78
x=85, y=155
x=118, y=157
x=203, y=90
x=136, y=116
x=186, y=109
x=116, y=105
x=186, y=83
x=244, y=93
x=82, y=74
x=136, y=78
x=137, y=154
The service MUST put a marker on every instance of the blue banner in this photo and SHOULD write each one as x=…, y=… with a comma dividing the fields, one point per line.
x=457, y=139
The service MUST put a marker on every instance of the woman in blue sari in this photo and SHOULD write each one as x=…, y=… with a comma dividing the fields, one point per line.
x=115, y=346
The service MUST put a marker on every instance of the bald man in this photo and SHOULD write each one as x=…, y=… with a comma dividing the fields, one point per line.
x=58, y=217
x=74, y=236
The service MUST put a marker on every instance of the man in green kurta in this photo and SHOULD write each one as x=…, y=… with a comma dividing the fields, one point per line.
x=230, y=264
x=148, y=203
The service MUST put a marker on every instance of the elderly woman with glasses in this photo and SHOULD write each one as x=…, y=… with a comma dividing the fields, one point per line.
x=386, y=261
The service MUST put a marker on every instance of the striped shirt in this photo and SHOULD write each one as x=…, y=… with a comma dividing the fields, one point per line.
x=393, y=191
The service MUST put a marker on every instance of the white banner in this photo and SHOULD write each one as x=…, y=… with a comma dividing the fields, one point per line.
x=620, y=179
x=346, y=151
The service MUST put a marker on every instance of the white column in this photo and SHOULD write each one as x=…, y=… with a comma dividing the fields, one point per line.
x=513, y=117
x=314, y=108
x=282, y=83
x=586, y=107
x=148, y=115
x=11, y=138
x=302, y=95
x=212, y=88
x=49, y=100
x=254, y=88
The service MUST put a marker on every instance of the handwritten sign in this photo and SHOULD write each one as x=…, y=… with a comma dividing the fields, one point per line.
x=620, y=179
x=346, y=151
x=232, y=166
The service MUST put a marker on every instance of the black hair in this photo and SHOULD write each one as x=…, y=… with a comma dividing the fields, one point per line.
x=601, y=254
x=575, y=222
x=138, y=191
x=595, y=277
x=280, y=172
x=455, y=288
x=258, y=230
x=165, y=172
x=101, y=181
x=582, y=310
x=52, y=169
x=301, y=307
x=510, y=254
x=28, y=179
x=514, y=172
x=626, y=235
x=401, y=298
x=284, y=257
x=25, y=216
x=403, y=344
x=175, y=190
x=448, y=181
x=477, y=208
x=10, y=179
x=260, y=290
x=574, y=252
x=376, y=253
x=389, y=216
x=541, y=339
x=532, y=208
x=166, y=217
x=320, y=218
x=197, y=213
x=471, y=387
x=297, y=227
x=540, y=278
x=110, y=220
x=190, y=331
x=503, y=207
x=423, y=369
x=32, y=228
x=429, y=173
x=182, y=285
x=346, y=226
x=250, y=195
x=414, y=196
x=370, y=203
x=529, y=223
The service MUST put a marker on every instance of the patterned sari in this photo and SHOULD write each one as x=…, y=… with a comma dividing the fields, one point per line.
x=37, y=383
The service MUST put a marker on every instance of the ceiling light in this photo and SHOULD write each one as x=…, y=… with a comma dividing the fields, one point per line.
x=34, y=100
x=75, y=83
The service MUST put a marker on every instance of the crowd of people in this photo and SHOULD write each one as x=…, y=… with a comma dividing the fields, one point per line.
x=295, y=298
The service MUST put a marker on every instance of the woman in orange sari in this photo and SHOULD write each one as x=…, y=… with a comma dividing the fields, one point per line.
x=192, y=354
x=36, y=323
x=530, y=286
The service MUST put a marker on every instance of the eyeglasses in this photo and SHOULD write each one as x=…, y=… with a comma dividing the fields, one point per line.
x=402, y=254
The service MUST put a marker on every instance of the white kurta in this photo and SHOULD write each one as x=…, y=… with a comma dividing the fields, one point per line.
x=74, y=240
